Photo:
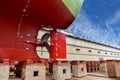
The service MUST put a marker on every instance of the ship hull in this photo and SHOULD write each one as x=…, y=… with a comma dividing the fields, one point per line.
x=20, y=21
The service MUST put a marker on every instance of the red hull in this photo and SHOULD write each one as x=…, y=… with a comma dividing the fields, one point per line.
x=20, y=21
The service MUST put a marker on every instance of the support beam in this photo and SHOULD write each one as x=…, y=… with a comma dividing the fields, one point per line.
x=79, y=68
x=61, y=70
x=113, y=68
x=34, y=71
x=4, y=69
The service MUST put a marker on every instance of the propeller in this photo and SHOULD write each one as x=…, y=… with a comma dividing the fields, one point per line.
x=57, y=48
x=44, y=41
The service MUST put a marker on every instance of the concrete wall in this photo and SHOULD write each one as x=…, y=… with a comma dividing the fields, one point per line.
x=81, y=42
x=61, y=70
x=34, y=72
x=113, y=68
x=79, y=49
x=89, y=49
x=4, y=72
x=117, y=68
x=79, y=68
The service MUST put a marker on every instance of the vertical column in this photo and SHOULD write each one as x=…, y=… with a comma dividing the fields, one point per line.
x=93, y=66
x=103, y=67
x=79, y=68
x=88, y=66
x=110, y=66
x=97, y=66
x=4, y=69
x=117, y=68
x=33, y=71
x=61, y=70
x=113, y=68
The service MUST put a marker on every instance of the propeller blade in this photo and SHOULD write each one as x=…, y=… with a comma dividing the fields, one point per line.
x=45, y=37
x=46, y=44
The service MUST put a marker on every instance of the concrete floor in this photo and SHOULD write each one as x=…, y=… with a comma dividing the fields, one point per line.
x=15, y=79
x=88, y=77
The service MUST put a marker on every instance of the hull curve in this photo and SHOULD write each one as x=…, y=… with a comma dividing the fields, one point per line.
x=20, y=21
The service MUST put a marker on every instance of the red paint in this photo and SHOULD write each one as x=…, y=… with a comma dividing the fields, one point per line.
x=58, y=45
x=5, y=61
x=41, y=12
x=14, y=19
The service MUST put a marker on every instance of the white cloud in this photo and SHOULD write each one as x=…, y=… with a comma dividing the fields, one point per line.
x=114, y=19
x=84, y=28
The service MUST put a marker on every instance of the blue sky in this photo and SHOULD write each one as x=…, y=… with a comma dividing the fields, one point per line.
x=98, y=21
